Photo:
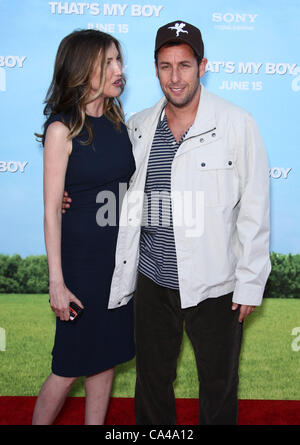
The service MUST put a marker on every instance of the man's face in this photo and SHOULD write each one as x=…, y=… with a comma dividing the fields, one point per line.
x=178, y=72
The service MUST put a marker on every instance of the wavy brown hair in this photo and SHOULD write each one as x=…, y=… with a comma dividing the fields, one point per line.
x=69, y=90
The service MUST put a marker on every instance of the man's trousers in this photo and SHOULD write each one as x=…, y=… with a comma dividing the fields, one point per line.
x=215, y=333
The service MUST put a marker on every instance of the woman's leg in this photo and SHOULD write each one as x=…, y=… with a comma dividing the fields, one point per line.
x=97, y=389
x=51, y=399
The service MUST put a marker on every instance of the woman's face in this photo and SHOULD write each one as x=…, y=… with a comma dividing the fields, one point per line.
x=113, y=81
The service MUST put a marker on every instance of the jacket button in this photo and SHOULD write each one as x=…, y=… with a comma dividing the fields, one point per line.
x=203, y=164
x=201, y=140
x=140, y=136
x=229, y=162
x=124, y=262
x=213, y=135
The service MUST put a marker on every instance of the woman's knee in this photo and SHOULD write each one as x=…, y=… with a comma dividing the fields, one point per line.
x=64, y=381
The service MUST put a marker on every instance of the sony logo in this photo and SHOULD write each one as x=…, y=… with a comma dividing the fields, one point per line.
x=229, y=17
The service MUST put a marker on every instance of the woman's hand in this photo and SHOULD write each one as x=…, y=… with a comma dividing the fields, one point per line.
x=65, y=202
x=60, y=298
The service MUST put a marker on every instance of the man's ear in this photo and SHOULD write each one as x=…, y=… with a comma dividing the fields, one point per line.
x=202, y=67
x=156, y=69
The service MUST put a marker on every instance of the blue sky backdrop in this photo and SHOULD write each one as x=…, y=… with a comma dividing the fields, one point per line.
x=253, y=53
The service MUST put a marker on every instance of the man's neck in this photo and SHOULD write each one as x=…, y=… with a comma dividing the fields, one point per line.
x=186, y=112
x=180, y=119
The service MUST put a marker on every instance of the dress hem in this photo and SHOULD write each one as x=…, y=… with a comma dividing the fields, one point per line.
x=102, y=369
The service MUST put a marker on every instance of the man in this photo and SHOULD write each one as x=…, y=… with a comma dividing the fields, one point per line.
x=208, y=272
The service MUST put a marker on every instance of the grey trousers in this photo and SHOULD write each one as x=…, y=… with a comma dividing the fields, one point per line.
x=215, y=334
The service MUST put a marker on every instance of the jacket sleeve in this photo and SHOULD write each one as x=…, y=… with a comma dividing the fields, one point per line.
x=253, y=225
x=130, y=125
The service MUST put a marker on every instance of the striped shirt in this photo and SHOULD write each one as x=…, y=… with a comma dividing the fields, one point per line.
x=157, y=244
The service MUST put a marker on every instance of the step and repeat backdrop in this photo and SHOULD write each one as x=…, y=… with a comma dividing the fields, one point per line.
x=252, y=47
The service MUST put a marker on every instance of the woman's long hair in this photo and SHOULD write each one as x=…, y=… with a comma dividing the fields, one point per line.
x=69, y=91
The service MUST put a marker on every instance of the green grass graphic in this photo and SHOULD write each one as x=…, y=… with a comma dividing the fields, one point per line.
x=269, y=367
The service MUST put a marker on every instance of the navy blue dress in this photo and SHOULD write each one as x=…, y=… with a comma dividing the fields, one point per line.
x=102, y=338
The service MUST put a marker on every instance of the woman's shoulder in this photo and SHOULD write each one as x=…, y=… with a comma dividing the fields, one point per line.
x=56, y=137
x=61, y=118
x=57, y=128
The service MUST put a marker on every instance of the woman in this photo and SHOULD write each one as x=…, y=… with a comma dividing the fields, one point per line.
x=86, y=151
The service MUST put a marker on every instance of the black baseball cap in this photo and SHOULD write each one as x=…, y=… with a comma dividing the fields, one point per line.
x=180, y=31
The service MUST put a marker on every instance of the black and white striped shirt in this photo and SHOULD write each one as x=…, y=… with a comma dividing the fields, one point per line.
x=157, y=244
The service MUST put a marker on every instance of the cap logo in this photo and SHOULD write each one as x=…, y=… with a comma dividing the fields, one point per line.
x=178, y=27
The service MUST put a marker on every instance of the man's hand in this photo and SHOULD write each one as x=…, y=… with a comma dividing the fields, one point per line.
x=65, y=202
x=244, y=311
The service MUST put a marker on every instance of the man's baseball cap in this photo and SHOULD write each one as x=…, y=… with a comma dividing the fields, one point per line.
x=180, y=31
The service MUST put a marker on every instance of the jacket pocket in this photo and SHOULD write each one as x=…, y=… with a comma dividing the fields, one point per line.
x=217, y=179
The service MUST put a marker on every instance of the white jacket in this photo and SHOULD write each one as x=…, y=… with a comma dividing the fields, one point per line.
x=224, y=157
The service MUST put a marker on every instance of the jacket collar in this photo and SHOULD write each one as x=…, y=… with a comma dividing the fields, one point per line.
x=149, y=117
x=205, y=118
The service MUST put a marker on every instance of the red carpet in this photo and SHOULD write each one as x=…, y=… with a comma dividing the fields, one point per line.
x=18, y=411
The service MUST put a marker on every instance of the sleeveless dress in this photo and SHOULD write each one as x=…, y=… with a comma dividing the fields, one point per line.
x=101, y=338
